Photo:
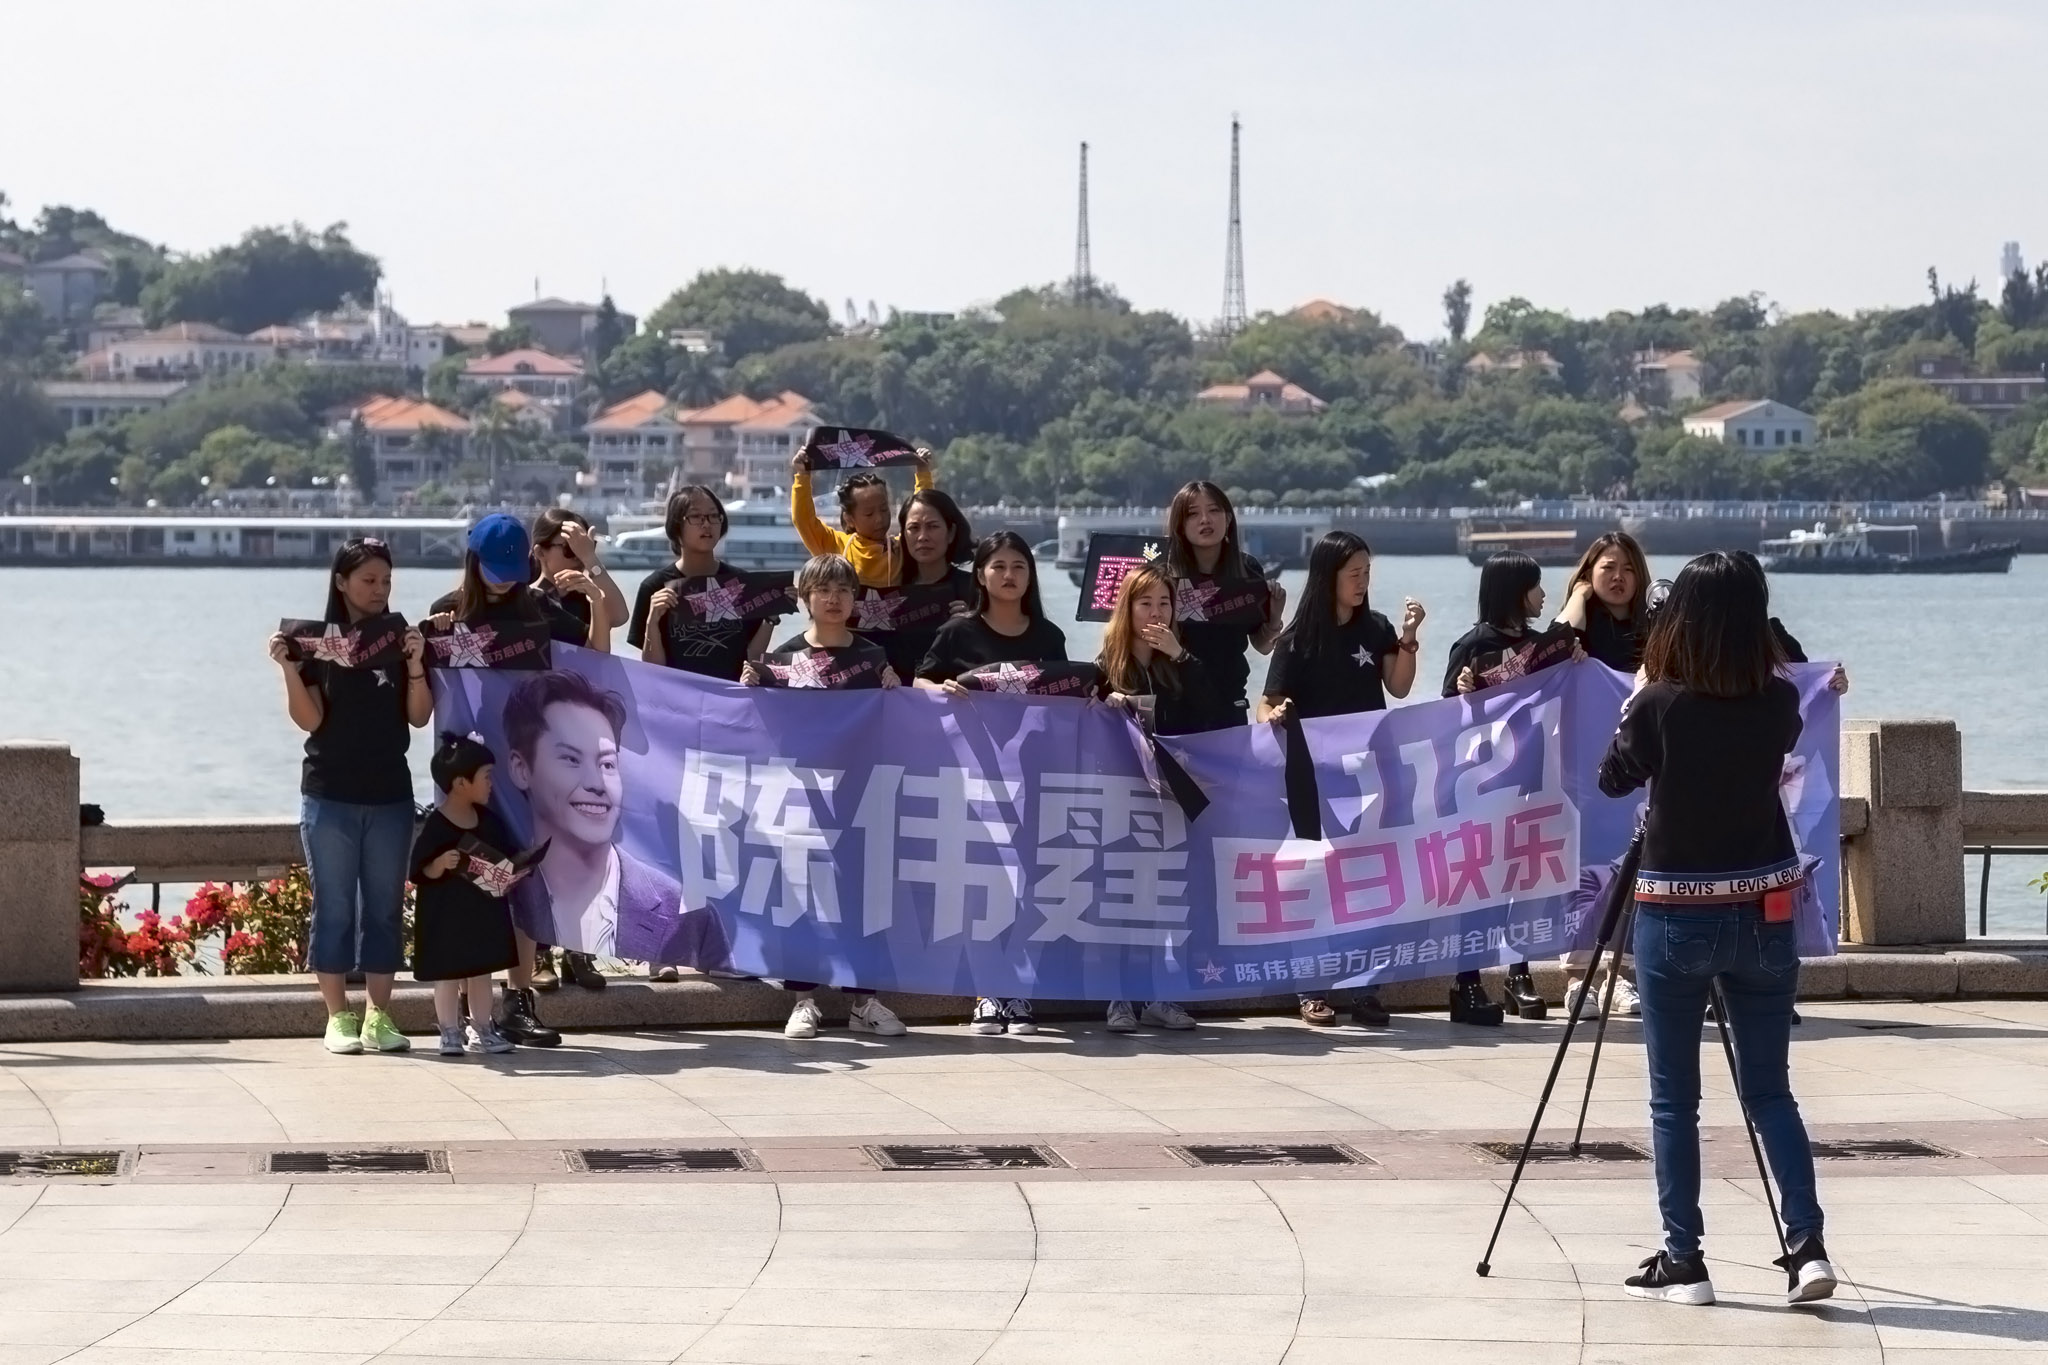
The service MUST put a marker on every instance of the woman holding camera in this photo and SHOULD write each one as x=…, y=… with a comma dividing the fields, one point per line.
x=1708, y=732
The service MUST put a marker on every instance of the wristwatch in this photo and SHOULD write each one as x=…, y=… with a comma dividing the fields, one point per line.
x=596, y=571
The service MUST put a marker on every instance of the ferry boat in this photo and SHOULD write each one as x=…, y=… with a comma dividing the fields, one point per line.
x=759, y=535
x=1849, y=551
x=244, y=541
x=1552, y=548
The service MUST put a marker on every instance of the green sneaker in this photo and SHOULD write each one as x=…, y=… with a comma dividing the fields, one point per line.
x=344, y=1032
x=382, y=1034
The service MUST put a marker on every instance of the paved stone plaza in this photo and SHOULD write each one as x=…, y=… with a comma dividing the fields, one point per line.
x=193, y=1255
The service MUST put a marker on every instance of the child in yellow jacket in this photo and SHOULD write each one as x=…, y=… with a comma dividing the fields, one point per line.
x=866, y=543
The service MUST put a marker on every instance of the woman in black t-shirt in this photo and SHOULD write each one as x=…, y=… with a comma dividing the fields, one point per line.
x=1008, y=627
x=1336, y=657
x=566, y=562
x=696, y=523
x=1202, y=544
x=936, y=540
x=355, y=810
x=829, y=656
x=1607, y=601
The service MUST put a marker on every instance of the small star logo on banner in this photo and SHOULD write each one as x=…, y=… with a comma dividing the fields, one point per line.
x=1191, y=600
x=1012, y=678
x=881, y=611
x=718, y=601
x=803, y=670
x=1211, y=974
x=493, y=877
x=850, y=452
x=464, y=647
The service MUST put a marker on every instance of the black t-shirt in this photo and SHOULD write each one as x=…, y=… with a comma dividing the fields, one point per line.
x=1618, y=644
x=1347, y=675
x=711, y=649
x=636, y=625
x=357, y=754
x=575, y=603
x=907, y=648
x=848, y=667
x=1188, y=705
x=1480, y=648
x=563, y=626
x=1221, y=648
x=967, y=642
x=1713, y=765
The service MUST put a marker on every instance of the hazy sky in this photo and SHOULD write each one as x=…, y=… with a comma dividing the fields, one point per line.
x=1585, y=155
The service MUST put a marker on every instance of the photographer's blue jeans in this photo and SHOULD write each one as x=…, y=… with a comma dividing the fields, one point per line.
x=1679, y=953
x=356, y=858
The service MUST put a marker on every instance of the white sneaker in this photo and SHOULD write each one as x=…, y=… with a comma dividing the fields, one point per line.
x=487, y=1039
x=1166, y=1014
x=451, y=1041
x=1626, y=999
x=1122, y=1018
x=870, y=1015
x=1571, y=999
x=803, y=1020
x=1018, y=1017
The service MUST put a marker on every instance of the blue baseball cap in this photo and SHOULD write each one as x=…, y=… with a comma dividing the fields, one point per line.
x=500, y=545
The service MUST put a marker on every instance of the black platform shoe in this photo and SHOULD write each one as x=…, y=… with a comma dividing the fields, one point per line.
x=1521, y=998
x=1470, y=1005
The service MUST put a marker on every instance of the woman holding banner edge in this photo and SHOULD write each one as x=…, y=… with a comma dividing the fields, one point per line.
x=1202, y=542
x=1338, y=657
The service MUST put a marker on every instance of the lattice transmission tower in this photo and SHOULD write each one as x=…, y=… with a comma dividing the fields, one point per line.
x=1084, y=268
x=1234, y=316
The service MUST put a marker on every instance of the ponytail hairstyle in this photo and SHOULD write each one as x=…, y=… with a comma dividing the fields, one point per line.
x=1180, y=556
x=352, y=555
x=458, y=756
x=1505, y=581
x=1313, y=631
x=1118, y=659
x=987, y=550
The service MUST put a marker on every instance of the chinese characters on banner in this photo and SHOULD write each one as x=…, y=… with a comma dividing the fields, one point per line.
x=1015, y=845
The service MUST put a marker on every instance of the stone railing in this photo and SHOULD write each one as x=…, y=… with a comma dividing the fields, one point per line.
x=1906, y=822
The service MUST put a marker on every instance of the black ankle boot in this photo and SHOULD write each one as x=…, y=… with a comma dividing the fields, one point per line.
x=521, y=1023
x=1521, y=997
x=1470, y=1005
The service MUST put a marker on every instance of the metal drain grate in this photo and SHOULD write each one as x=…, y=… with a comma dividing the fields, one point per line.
x=660, y=1160
x=1876, y=1149
x=62, y=1163
x=372, y=1162
x=1270, y=1154
x=964, y=1158
x=1562, y=1151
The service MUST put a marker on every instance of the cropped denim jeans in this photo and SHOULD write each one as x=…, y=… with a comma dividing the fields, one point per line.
x=1679, y=955
x=356, y=858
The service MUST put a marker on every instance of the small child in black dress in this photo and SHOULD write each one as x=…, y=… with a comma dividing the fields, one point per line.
x=462, y=928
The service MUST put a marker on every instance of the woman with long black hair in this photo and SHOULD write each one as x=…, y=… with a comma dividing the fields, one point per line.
x=1336, y=657
x=1202, y=542
x=936, y=540
x=1008, y=627
x=1607, y=601
x=1708, y=731
x=355, y=810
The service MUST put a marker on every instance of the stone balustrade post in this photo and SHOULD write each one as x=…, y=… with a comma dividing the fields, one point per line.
x=1903, y=876
x=38, y=867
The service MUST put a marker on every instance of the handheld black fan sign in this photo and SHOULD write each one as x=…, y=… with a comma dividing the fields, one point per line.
x=735, y=596
x=497, y=644
x=493, y=870
x=856, y=448
x=1047, y=679
x=909, y=607
x=825, y=669
x=372, y=642
x=1111, y=557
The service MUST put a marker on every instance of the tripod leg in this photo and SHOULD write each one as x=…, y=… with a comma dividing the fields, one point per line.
x=1606, y=1011
x=1536, y=1122
x=1763, y=1173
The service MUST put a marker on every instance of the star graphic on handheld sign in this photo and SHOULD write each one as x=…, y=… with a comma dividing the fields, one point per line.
x=1211, y=973
x=1362, y=655
x=1012, y=678
x=465, y=647
x=880, y=611
x=850, y=452
x=493, y=877
x=1191, y=600
x=719, y=601
x=334, y=645
x=805, y=668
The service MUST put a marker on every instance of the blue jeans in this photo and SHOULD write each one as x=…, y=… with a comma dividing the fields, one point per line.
x=357, y=857
x=1679, y=954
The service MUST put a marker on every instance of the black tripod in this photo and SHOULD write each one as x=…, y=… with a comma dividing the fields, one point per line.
x=1617, y=915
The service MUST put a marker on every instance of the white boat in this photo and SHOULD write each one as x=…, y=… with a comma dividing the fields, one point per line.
x=759, y=535
x=1280, y=537
x=1849, y=551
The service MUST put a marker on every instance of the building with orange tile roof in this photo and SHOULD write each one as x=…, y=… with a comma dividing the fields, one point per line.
x=412, y=442
x=634, y=443
x=1263, y=392
x=767, y=442
x=185, y=350
x=549, y=380
x=711, y=443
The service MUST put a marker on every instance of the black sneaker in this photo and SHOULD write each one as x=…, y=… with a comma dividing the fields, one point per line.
x=1368, y=1012
x=522, y=1024
x=988, y=1017
x=1470, y=1005
x=1522, y=999
x=1018, y=1016
x=1674, y=1281
x=581, y=968
x=1808, y=1273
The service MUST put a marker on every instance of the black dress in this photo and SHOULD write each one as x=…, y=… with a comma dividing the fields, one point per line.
x=459, y=929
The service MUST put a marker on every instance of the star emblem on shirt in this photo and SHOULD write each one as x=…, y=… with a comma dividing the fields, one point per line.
x=1211, y=973
x=1012, y=678
x=806, y=668
x=881, y=611
x=464, y=646
x=1191, y=600
x=1362, y=655
x=719, y=601
x=849, y=451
